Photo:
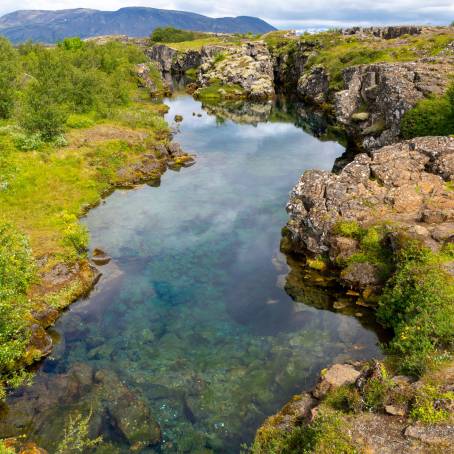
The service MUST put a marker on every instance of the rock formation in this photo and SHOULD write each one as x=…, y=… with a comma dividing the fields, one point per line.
x=376, y=96
x=248, y=66
x=405, y=184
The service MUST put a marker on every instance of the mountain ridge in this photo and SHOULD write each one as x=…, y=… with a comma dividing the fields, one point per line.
x=49, y=26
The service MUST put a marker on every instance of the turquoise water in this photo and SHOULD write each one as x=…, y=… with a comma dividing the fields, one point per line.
x=191, y=314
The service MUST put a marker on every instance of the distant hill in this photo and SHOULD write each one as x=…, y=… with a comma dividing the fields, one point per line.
x=51, y=26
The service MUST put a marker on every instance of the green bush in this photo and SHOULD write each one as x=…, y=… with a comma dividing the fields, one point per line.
x=431, y=117
x=9, y=70
x=172, y=35
x=71, y=43
x=417, y=305
x=16, y=274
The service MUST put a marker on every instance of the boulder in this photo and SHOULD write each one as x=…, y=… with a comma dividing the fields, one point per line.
x=434, y=435
x=334, y=377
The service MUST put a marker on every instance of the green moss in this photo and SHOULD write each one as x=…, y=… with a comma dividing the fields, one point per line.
x=428, y=405
x=349, y=229
x=191, y=73
x=316, y=264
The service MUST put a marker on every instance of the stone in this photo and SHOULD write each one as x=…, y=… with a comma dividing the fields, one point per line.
x=441, y=435
x=248, y=66
x=334, y=377
x=361, y=275
x=178, y=118
x=360, y=116
x=100, y=258
x=394, y=410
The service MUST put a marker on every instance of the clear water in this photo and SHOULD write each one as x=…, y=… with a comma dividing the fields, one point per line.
x=193, y=303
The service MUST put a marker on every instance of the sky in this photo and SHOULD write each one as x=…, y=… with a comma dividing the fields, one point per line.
x=296, y=14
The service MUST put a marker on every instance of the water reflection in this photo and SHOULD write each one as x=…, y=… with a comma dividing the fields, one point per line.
x=191, y=325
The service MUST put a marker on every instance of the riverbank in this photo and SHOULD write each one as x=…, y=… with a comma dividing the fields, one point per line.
x=46, y=186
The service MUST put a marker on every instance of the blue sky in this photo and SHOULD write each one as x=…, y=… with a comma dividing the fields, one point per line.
x=282, y=14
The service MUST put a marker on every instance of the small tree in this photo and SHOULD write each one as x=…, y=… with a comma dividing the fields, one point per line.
x=9, y=70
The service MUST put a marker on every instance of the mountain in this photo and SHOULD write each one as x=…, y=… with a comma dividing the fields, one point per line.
x=51, y=26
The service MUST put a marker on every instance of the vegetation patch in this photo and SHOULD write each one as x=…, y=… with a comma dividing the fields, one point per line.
x=417, y=305
x=430, y=117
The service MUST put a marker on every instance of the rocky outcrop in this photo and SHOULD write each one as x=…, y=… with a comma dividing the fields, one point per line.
x=374, y=430
x=99, y=395
x=290, y=63
x=314, y=85
x=377, y=96
x=172, y=61
x=391, y=32
x=248, y=66
x=403, y=183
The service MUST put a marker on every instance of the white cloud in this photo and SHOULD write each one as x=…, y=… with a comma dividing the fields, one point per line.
x=286, y=14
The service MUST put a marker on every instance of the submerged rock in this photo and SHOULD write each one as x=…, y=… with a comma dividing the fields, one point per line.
x=97, y=394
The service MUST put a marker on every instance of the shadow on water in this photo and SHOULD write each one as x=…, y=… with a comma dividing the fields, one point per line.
x=200, y=321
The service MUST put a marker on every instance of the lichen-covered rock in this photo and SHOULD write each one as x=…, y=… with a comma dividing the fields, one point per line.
x=334, y=377
x=314, y=85
x=390, y=32
x=148, y=80
x=385, y=91
x=404, y=183
x=163, y=55
x=248, y=66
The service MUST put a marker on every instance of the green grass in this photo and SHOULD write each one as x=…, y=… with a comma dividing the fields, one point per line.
x=430, y=117
x=327, y=434
x=196, y=44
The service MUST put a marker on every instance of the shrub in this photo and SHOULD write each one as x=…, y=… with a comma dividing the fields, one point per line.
x=71, y=43
x=428, y=406
x=9, y=70
x=16, y=274
x=27, y=142
x=417, y=305
x=172, y=35
x=75, y=235
x=431, y=117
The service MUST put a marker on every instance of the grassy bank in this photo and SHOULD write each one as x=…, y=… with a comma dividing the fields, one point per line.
x=73, y=126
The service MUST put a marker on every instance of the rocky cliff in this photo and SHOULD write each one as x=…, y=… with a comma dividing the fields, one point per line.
x=405, y=185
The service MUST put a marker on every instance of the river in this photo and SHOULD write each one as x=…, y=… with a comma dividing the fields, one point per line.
x=191, y=314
